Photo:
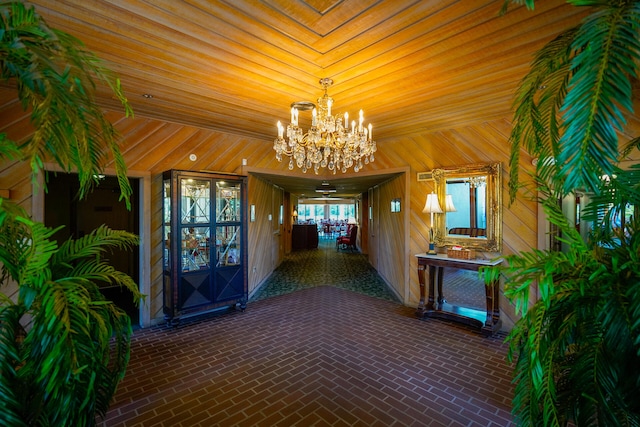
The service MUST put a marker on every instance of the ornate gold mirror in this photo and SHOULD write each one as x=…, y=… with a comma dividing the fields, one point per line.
x=471, y=200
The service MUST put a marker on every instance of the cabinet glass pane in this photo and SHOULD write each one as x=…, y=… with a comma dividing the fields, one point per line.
x=227, y=202
x=195, y=248
x=167, y=201
x=228, y=245
x=166, y=225
x=196, y=197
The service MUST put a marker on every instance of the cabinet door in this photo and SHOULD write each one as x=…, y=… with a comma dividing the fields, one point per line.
x=229, y=272
x=195, y=287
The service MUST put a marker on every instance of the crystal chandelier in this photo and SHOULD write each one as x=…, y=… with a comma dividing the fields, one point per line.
x=330, y=141
x=477, y=181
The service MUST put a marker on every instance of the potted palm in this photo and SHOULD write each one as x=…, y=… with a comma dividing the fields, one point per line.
x=576, y=349
x=63, y=347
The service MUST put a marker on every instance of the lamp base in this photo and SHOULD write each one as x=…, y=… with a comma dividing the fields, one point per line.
x=432, y=249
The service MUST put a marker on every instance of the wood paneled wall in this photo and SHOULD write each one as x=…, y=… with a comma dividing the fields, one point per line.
x=152, y=146
x=264, y=245
x=391, y=249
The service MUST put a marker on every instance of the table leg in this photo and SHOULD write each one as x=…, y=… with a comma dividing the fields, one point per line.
x=496, y=301
x=421, y=308
x=441, y=299
x=493, y=322
x=432, y=279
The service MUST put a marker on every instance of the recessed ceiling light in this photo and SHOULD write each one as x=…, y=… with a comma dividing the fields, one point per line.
x=147, y=95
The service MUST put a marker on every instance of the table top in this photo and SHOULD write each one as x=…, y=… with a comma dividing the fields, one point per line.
x=444, y=259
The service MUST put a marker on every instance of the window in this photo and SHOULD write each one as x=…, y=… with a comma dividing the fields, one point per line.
x=319, y=213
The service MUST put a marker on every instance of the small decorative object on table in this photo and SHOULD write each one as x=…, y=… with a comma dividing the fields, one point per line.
x=459, y=252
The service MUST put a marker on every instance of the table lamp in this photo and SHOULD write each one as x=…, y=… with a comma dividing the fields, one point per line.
x=432, y=206
x=449, y=206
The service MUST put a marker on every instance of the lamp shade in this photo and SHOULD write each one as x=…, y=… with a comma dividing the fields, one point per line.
x=449, y=207
x=432, y=205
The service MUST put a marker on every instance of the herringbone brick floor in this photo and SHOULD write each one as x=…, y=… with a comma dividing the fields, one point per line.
x=322, y=356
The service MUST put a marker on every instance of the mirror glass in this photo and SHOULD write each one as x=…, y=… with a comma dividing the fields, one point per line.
x=470, y=197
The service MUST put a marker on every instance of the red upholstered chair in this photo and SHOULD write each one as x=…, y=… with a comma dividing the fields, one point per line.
x=348, y=241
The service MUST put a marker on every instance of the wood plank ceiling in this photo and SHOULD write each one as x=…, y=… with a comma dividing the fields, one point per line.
x=235, y=66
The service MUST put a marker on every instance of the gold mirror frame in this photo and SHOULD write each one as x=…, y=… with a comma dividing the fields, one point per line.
x=493, y=174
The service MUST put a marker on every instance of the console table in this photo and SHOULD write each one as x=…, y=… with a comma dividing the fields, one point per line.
x=488, y=322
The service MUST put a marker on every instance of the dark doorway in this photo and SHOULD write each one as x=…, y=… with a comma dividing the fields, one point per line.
x=79, y=217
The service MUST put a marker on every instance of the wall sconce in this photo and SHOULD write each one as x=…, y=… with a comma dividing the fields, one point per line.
x=395, y=205
x=295, y=216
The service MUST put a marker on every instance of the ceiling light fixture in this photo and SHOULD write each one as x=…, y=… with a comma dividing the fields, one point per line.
x=330, y=142
x=326, y=190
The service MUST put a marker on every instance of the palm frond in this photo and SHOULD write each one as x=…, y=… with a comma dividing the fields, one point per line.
x=608, y=50
x=93, y=244
x=69, y=371
x=583, y=299
x=25, y=250
x=8, y=148
x=71, y=359
x=64, y=370
x=607, y=208
x=56, y=77
x=538, y=99
x=631, y=145
x=11, y=391
x=577, y=348
x=505, y=5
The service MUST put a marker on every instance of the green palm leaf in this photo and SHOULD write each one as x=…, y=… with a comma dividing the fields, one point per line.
x=576, y=349
x=65, y=370
x=56, y=79
x=608, y=49
x=11, y=389
x=538, y=100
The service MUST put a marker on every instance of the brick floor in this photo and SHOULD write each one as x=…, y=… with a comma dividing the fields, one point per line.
x=316, y=357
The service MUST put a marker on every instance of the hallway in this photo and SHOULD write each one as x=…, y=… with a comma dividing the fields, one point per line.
x=325, y=266
x=315, y=350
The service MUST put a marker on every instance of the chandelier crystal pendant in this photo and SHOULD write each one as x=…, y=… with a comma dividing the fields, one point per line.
x=476, y=181
x=331, y=142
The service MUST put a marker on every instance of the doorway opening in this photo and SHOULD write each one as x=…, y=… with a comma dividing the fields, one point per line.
x=79, y=217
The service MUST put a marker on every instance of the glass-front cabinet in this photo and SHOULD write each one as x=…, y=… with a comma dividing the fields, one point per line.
x=204, y=241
